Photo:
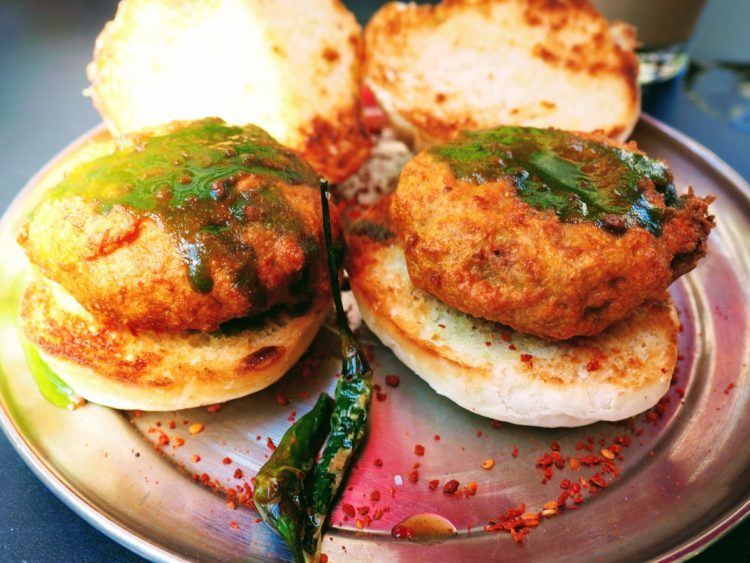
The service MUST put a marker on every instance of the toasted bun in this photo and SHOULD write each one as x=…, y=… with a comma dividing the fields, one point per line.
x=473, y=64
x=495, y=372
x=294, y=72
x=113, y=366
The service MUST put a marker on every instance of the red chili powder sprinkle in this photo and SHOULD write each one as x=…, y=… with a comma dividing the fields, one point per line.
x=378, y=462
x=282, y=399
x=495, y=423
x=348, y=509
x=451, y=486
x=526, y=357
x=375, y=496
x=392, y=380
x=414, y=476
x=728, y=388
x=226, y=460
x=419, y=449
x=270, y=444
x=514, y=523
x=234, y=525
x=515, y=451
x=437, y=437
x=593, y=365
x=195, y=458
x=238, y=473
x=213, y=408
x=433, y=484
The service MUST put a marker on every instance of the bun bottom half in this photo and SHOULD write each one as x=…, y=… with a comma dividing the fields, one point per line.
x=112, y=366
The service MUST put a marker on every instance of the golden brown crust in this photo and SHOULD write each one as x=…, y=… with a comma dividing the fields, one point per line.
x=126, y=268
x=336, y=149
x=482, y=250
x=110, y=364
x=494, y=371
x=567, y=43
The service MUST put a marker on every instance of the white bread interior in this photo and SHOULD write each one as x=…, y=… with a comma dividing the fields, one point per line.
x=293, y=69
x=473, y=64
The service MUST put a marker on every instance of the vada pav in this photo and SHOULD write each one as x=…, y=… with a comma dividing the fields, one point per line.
x=522, y=273
x=177, y=267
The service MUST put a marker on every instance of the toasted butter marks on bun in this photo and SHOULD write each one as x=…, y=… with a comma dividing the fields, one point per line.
x=473, y=64
x=295, y=72
x=183, y=227
x=111, y=365
x=493, y=371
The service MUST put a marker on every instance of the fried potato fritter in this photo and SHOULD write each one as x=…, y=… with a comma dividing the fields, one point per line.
x=184, y=229
x=551, y=233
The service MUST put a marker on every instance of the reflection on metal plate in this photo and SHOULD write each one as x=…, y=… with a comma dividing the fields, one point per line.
x=683, y=480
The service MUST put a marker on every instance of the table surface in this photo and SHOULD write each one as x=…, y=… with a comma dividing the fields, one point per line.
x=44, y=47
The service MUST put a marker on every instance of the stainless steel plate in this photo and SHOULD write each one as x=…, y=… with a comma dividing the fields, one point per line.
x=684, y=480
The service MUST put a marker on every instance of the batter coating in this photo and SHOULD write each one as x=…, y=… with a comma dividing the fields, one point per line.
x=183, y=228
x=552, y=233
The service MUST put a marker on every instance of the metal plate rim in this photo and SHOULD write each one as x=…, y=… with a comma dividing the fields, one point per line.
x=55, y=483
x=137, y=543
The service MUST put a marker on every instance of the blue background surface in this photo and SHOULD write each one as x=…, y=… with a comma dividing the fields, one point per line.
x=44, y=47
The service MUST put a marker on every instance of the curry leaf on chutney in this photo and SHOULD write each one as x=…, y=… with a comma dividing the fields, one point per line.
x=576, y=177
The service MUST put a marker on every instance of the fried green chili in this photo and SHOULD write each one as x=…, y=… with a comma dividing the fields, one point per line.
x=353, y=392
x=279, y=493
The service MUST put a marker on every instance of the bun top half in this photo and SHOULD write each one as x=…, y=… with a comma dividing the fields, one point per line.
x=292, y=69
x=473, y=64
